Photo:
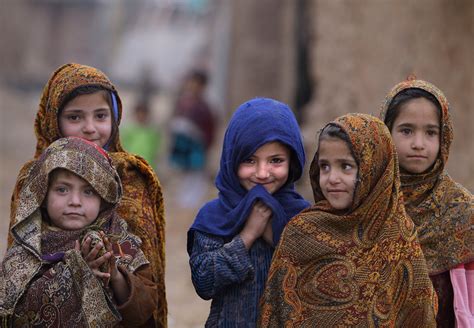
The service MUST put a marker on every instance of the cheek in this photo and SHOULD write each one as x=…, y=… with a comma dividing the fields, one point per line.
x=106, y=128
x=65, y=129
x=436, y=146
x=94, y=206
x=243, y=172
x=400, y=143
x=283, y=172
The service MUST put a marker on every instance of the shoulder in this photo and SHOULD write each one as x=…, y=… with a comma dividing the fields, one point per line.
x=452, y=192
x=135, y=170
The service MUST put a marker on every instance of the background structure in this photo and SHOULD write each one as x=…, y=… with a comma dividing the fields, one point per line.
x=323, y=57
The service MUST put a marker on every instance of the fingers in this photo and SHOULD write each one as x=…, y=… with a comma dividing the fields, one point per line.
x=90, y=254
x=261, y=206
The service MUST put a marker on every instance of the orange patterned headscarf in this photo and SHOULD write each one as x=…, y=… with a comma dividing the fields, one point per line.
x=441, y=209
x=142, y=202
x=62, y=82
x=364, y=268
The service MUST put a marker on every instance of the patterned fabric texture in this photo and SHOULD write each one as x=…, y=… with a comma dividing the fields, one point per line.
x=364, y=268
x=441, y=209
x=44, y=281
x=142, y=202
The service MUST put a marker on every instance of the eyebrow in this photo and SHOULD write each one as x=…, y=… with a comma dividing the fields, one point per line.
x=410, y=125
x=78, y=110
x=62, y=181
x=339, y=160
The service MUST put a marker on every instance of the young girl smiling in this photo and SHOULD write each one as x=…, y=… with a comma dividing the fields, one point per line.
x=232, y=239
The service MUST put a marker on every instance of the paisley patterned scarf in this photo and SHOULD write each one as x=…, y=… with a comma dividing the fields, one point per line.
x=142, y=202
x=441, y=209
x=44, y=280
x=364, y=268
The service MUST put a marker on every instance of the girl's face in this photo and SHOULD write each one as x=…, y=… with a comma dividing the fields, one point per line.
x=338, y=172
x=87, y=116
x=416, y=134
x=71, y=202
x=268, y=166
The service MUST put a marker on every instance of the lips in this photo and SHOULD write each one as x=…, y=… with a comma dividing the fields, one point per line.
x=73, y=214
x=336, y=191
x=417, y=157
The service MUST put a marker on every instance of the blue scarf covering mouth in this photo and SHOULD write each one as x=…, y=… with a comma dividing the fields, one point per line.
x=254, y=123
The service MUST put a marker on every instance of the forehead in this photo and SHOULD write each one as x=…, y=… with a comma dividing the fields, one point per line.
x=65, y=175
x=334, y=148
x=271, y=149
x=92, y=101
x=419, y=110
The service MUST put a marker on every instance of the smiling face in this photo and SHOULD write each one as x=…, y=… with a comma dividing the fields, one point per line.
x=416, y=134
x=87, y=116
x=268, y=166
x=71, y=202
x=337, y=172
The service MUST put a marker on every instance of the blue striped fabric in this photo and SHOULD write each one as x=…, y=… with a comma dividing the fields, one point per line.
x=231, y=276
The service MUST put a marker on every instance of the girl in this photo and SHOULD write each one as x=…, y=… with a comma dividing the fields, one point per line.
x=232, y=239
x=80, y=101
x=352, y=259
x=48, y=278
x=416, y=112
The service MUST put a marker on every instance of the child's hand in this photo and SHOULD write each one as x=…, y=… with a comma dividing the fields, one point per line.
x=268, y=233
x=256, y=223
x=114, y=272
x=90, y=255
x=119, y=284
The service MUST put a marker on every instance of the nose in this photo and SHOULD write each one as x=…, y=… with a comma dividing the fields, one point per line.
x=263, y=171
x=88, y=127
x=74, y=199
x=334, y=177
x=418, y=141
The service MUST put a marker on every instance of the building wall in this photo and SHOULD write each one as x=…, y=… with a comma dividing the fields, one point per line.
x=361, y=49
x=261, y=61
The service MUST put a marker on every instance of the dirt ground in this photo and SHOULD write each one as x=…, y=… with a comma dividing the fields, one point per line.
x=186, y=309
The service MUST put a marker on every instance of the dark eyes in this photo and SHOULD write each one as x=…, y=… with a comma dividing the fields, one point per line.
x=76, y=117
x=61, y=189
x=277, y=160
x=102, y=116
x=405, y=131
x=347, y=166
x=89, y=192
x=344, y=166
x=72, y=117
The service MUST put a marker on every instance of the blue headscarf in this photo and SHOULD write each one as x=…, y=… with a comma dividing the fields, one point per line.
x=254, y=123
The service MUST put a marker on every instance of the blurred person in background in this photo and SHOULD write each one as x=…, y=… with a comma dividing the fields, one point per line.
x=192, y=128
x=141, y=137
